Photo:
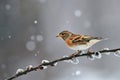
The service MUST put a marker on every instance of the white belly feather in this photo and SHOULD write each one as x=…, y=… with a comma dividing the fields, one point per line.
x=84, y=47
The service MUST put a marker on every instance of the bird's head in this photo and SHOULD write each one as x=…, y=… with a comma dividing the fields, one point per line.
x=64, y=35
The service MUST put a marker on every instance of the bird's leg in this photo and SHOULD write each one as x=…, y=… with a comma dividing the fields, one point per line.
x=88, y=52
x=76, y=53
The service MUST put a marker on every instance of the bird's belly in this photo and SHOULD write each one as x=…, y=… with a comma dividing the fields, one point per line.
x=80, y=47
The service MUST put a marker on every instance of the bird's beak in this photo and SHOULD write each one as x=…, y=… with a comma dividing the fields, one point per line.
x=57, y=36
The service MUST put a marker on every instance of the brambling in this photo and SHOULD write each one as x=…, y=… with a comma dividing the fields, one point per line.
x=78, y=42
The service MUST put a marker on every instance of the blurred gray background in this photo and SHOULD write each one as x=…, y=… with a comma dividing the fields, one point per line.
x=27, y=36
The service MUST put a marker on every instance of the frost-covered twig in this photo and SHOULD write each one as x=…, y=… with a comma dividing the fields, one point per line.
x=45, y=63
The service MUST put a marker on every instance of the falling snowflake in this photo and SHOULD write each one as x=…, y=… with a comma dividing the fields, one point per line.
x=87, y=24
x=32, y=37
x=31, y=45
x=76, y=73
x=35, y=22
x=9, y=36
x=77, y=13
x=7, y=6
x=39, y=38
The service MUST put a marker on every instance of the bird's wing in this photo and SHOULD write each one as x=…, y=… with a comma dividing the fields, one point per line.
x=83, y=39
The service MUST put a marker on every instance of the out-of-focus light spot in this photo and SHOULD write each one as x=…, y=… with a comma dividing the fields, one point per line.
x=35, y=54
x=76, y=73
x=9, y=36
x=77, y=13
x=31, y=45
x=87, y=24
x=39, y=38
x=35, y=22
x=32, y=37
x=7, y=6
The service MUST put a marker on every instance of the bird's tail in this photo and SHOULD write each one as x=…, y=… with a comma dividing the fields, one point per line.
x=100, y=38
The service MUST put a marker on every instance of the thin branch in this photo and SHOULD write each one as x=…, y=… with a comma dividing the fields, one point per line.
x=40, y=67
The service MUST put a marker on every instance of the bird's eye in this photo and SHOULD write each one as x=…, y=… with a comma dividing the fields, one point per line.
x=62, y=34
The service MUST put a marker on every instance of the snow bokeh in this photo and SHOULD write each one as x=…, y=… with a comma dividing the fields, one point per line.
x=7, y=6
x=30, y=45
x=77, y=13
x=39, y=38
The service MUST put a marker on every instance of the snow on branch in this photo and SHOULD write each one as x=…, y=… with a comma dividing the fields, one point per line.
x=46, y=63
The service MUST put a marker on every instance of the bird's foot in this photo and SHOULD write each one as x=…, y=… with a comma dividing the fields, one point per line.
x=76, y=53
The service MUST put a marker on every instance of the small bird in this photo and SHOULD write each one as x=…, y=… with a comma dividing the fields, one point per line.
x=78, y=42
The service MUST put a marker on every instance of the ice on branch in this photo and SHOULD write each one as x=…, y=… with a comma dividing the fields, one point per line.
x=54, y=64
x=19, y=71
x=45, y=61
x=91, y=57
x=75, y=61
x=117, y=53
x=29, y=67
x=98, y=55
x=39, y=38
x=107, y=53
x=68, y=61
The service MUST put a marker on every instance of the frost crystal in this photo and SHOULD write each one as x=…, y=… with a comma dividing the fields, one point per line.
x=107, y=53
x=29, y=67
x=77, y=13
x=30, y=45
x=117, y=53
x=75, y=61
x=91, y=57
x=45, y=61
x=98, y=55
x=39, y=38
x=19, y=71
